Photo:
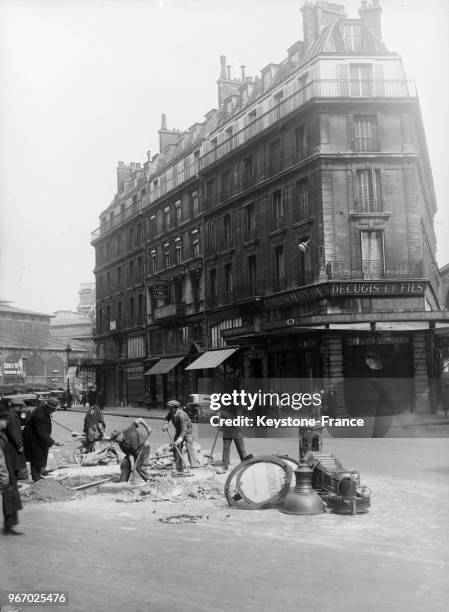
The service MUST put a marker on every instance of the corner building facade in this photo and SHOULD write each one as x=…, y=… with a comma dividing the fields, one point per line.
x=289, y=235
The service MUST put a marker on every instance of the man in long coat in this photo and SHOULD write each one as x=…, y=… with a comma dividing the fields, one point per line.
x=11, y=501
x=37, y=437
x=13, y=434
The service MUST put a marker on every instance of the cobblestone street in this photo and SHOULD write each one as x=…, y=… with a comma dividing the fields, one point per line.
x=115, y=556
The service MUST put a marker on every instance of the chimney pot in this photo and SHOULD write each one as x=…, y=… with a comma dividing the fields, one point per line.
x=164, y=122
x=242, y=68
x=223, y=66
x=228, y=67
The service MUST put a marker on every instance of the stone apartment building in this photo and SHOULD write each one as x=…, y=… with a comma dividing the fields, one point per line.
x=288, y=235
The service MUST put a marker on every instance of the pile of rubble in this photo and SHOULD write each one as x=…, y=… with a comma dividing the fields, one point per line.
x=46, y=491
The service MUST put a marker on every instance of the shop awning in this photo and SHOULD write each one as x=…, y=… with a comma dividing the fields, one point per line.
x=350, y=326
x=402, y=326
x=211, y=359
x=164, y=365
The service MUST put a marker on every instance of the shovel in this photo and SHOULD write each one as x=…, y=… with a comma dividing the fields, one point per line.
x=211, y=454
x=178, y=450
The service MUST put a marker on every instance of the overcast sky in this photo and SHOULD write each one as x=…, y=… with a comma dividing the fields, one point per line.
x=84, y=82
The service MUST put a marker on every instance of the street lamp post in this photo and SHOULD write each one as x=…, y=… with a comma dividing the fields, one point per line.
x=68, y=350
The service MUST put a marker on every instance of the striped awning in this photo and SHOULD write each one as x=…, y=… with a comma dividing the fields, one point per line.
x=211, y=359
x=164, y=365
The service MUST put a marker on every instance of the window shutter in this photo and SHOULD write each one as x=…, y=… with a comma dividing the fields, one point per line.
x=343, y=78
x=379, y=83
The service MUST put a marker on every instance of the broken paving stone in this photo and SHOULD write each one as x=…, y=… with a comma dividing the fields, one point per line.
x=184, y=518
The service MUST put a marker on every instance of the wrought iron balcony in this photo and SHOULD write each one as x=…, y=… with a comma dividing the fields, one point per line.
x=373, y=270
x=321, y=88
x=369, y=205
x=247, y=289
x=365, y=144
x=109, y=224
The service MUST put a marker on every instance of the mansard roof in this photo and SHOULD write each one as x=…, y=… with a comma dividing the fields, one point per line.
x=331, y=40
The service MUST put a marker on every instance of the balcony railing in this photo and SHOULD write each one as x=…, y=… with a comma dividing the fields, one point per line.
x=323, y=88
x=267, y=286
x=373, y=269
x=365, y=144
x=116, y=220
x=369, y=205
x=169, y=310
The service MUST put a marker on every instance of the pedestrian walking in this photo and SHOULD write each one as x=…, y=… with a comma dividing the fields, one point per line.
x=183, y=434
x=101, y=400
x=445, y=399
x=37, y=437
x=94, y=427
x=230, y=433
x=331, y=402
x=91, y=396
x=13, y=434
x=134, y=441
x=11, y=502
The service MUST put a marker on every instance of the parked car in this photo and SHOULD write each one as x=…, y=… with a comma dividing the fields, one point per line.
x=198, y=407
x=24, y=404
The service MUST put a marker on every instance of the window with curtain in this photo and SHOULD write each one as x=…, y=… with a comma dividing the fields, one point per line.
x=364, y=134
x=361, y=79
x=371, y=243
x=369, y=195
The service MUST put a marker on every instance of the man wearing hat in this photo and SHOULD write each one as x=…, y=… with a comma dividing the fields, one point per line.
x=11, y=502
x=134, y=441
x=37, y=437
x=183, y=433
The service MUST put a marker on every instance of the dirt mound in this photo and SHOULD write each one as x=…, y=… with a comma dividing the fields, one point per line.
x=46, y=491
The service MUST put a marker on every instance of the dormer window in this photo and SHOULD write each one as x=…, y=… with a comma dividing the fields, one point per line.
x=352, y=37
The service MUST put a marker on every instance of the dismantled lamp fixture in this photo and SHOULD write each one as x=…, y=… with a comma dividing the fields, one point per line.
x=303, y=499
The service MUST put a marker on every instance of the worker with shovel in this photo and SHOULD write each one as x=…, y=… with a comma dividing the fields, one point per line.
x=134, y=441
x=183, y=433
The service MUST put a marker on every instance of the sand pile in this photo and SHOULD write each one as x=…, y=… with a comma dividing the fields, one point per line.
x=46, y=491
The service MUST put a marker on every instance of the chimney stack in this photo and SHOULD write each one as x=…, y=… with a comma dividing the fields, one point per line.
x=226, y=86
x=164, y=122
x=242, y=68
x=316, y=16
x=223, y=67
x=371, y=15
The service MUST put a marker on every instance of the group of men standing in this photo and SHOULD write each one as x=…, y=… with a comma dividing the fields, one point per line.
x=34, y=442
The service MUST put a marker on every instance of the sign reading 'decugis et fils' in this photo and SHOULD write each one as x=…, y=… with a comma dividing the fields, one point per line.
x=352, y=288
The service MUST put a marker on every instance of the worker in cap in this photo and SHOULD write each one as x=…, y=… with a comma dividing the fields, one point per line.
x=183, y=434
x=37, y=437
x=11, y=502
x=134, y=442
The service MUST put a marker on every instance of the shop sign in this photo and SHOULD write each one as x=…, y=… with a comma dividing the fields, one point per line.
x=359, y=288
x=378, y=340
x=134, y=372
x=13, y=368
